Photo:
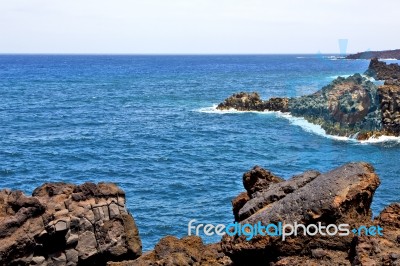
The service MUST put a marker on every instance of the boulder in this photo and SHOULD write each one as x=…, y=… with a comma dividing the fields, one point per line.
x=243, y=101
x=66, y=224
x=343, y=195
x=246, y=101
x=171, y=251
x=258, y=179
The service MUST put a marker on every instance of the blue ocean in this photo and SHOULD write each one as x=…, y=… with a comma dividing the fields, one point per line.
x=148, y=124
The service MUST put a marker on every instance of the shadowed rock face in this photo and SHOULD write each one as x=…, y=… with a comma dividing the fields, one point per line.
x=171, y=251
x=382, y=71
x=343, y=195
x=245, y=101
x=65, y=224
x=390, y=106
x=344, y=107
x=259, y=179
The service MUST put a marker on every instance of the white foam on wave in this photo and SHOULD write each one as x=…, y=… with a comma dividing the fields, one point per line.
x=335, y=77
x=304, y=124
x=214, y=110
x=310, y=127
x=334, y=57
x=346, y=76
x=381, y=139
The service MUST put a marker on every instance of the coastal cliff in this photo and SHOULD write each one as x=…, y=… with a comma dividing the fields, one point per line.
x=390, y=54
x=352, y=107
x=65, y=224
x=343, y=195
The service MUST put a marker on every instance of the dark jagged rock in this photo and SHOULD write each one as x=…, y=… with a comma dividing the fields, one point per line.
x=258, y=179
x=65, y=224
x=343, y=195
x=238, y=203
x=246, y=101
x=390, y=54
x=277, y=104
x=382, y=71
x=380, y=251
x=389, y=96
x=273, y=193
x=344, y=107
x=171, y=251
x=243, y=101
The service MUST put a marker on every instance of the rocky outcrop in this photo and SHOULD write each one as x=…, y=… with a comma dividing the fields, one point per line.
x=390, y=54
x=352, y=107
x=344, y=107
x=259, y=179
x=277, y=104
x=65, y=224
x=389, y=96
x=190, y=250
x=343, y=195
x=245, y=101
x=385, y=250
x=382, y=71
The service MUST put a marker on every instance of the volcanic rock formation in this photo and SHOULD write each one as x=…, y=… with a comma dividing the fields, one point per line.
x=351, y=107
x=343, y=195
x=389, y=54
x=65, y=224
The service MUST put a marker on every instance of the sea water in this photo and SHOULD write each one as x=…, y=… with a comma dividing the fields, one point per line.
x=149, y=124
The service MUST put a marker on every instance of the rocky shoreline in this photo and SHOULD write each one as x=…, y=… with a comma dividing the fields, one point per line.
x=65, y=224
x=389, y=54
x=352, y=107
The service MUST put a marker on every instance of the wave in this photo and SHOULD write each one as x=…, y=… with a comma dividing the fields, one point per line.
x=346, y=76
x=334, y=57
x=381, y=139
x=304, y=124
x=214, y=110
x=336, y=76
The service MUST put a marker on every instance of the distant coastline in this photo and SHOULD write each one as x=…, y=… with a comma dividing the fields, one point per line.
x=388, y=54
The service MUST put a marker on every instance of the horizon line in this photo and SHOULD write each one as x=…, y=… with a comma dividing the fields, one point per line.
x=168, y=54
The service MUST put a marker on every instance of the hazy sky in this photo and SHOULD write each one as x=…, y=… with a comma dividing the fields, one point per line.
x=197, y=26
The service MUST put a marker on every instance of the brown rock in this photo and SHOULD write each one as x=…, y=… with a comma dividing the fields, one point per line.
x=258, y=179
x=243, y=101
x=238, y=203
x=57, y=226
x=343, y=195
x=171, y=251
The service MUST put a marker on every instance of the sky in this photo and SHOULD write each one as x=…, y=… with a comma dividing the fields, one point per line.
x=197, y=26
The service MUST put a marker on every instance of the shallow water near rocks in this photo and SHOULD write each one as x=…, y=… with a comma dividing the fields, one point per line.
x=142, y=122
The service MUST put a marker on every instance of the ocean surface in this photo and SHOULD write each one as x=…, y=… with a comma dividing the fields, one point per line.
x=148, y=124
